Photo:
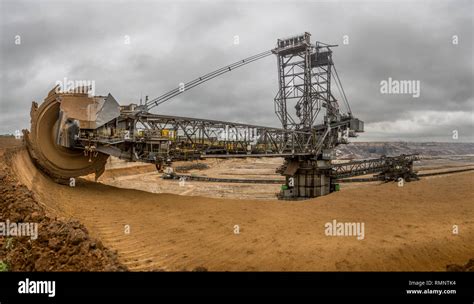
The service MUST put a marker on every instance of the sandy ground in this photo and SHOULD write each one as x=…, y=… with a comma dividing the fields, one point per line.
x=406, y=228
x=124, y=175
x=145, y=177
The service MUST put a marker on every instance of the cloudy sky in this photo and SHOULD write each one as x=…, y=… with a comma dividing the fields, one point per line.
x=176, y=41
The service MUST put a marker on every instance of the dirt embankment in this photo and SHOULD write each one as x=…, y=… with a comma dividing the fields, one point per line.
x=58, y=245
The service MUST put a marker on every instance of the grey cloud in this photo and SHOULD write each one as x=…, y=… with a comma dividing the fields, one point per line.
x=176, y=42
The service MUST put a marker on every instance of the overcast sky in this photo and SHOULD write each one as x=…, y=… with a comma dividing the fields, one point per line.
x=177, y=41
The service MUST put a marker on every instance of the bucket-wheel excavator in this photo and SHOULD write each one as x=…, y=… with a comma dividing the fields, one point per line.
x=73, y=133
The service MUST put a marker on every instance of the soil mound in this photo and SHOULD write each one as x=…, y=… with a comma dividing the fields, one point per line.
x=59, y=244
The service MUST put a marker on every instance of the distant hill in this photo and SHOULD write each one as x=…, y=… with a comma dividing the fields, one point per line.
x=361, y=150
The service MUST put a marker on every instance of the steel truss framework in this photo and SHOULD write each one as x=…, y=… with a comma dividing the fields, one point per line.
x=302, y=82
x=199, y=138
x=386, y=165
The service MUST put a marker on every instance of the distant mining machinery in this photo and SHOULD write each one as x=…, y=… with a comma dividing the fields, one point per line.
x=72, y=133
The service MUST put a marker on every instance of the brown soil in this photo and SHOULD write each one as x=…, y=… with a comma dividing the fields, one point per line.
x=469, y=267
x=62, y=244
x=406, y=228
x=115, y=173
x=7, y=141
